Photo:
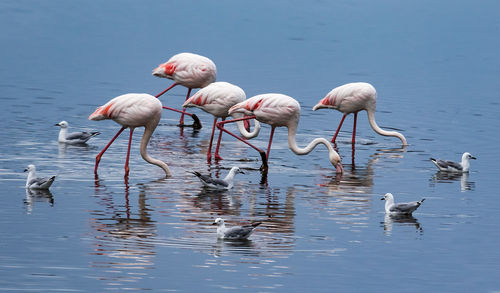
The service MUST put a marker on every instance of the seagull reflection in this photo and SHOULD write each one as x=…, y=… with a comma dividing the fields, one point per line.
x=401, y=220
x=37, y=195
x=244, y=247
x=449, y=177
x=64, y=147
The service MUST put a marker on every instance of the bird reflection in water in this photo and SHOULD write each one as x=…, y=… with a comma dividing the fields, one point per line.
x=391, y=220
x=242, y=247
x=37, y=195
x=349, y=197
x=121, y=234
x=450, y=177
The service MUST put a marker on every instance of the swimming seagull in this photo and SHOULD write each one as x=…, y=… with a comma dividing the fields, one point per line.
x=74, y=137
x=234, y=233
x=34, y=182
x=226, y=183
x=400, y=208
x=444, y=165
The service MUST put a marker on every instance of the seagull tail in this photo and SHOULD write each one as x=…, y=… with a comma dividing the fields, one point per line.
x=255, y=224
x=197, y=174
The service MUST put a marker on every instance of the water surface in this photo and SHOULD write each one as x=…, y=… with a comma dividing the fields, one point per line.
x=436, y=69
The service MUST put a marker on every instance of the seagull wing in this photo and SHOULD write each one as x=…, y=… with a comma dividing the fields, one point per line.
x=405, y=208
x=41, y=182
x=80, y=136
x=239, y=232
x=211, y=182
x=448, y=164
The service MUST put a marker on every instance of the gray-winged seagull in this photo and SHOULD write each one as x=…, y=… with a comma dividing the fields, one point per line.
x=444, y=165
x=34, y=182
x=406, y=208
x=74, y=137
x=226, y=183
x=234, y=233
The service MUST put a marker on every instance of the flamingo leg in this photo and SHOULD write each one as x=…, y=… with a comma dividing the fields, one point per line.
x=181, y=121
x=98, y=157
x=354, y=128
x=270, y=142
x=217, y=157
x=127, y=169
x=220, y=125
x=196, y=122
x=158, y=95
x=209, y=152
x=338, y=129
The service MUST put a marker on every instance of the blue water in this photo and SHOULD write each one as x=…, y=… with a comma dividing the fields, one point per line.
x=435, y=66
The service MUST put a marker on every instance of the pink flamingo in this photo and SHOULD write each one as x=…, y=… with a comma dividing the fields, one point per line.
x=190, y=70
x=131, y=111
x=216, y=99
x=281, y=110
x=352, y=98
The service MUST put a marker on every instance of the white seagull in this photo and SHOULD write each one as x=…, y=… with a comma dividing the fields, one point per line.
x=406, y=208
x=34, y=182
x=74, y=137
x=451, y=166
x=226, y=183
x=234, y=233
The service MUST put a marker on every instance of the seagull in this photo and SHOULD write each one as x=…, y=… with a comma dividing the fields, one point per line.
x=406, y=208
x=74, y=137
x=234, y=233
x=34, y=182
x=226, y=183
x=451, y=166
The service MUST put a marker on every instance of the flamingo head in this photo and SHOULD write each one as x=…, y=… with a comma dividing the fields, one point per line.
x=336, y=162
x=165, y=70
x=324, y=103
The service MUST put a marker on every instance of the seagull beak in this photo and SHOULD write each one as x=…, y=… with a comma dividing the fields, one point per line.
x=25, y=170
x=241, y=172
x=473, y=158
x=383, y=198
x=214, y=223
x=57, y=124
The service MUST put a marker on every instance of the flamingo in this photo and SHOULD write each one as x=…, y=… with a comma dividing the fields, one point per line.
x=281, y=110
x=190, y=70
x=352, y=98
x=131, y=111
x=216, y=99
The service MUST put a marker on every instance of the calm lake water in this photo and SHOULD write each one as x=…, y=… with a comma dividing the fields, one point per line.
x=436, y=68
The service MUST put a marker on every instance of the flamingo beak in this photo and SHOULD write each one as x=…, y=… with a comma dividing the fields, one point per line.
x=339, y=169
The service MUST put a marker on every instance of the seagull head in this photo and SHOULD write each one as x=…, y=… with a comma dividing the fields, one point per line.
x=62, y=124
x=387, y=196
x=218, y=222
x=237, y=170
x=468, y=156
x=30, y=168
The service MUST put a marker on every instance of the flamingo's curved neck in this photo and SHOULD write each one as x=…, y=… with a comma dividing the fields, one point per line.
x=373, y=124
x=292, y=143
x=243, y=131
x=148, y=132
